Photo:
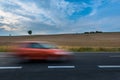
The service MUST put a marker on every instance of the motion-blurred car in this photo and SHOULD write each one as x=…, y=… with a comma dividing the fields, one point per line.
x=33, y=50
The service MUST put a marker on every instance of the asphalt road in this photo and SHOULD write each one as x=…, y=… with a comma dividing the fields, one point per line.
x=85, y=66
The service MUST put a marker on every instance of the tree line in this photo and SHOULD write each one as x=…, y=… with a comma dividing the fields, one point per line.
x=92, y=32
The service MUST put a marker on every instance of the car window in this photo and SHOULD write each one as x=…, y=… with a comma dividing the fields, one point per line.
x=48, y=46
x=34, y=45
x=41, y=45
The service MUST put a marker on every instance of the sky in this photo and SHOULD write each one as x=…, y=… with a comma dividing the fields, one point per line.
x=58, y=16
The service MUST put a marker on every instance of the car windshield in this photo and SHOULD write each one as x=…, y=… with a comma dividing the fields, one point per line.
x=48, y=46
x=42, y=45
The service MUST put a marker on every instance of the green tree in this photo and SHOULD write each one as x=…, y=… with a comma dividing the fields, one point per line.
x=30, y=32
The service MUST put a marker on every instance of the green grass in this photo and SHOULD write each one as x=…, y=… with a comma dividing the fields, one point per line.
x=91, y=49
x=75, y=49
x=4, y=48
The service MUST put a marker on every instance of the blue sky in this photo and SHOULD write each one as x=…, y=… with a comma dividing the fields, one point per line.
x=58, y=16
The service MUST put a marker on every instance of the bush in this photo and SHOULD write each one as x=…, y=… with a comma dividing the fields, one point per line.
x=98, y=31
x=92, y=32
x=86, y=32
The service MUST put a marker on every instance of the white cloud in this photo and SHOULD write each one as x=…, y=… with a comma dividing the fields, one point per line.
x=7, y=28
x=28, y=8
x=93, y=12
x=54, y=13
x=91, y=23
x=10, y=18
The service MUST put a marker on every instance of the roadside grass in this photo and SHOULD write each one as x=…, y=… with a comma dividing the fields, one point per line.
x=4, y=48
x=91, y=49
x=75, y=49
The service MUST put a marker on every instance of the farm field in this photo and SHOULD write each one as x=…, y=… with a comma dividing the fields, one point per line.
x=70, y=41
x=83, y=40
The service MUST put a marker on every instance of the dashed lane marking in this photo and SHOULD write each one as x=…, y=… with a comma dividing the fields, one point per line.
x=61, y=66
x=15, y=67
x=109, y=66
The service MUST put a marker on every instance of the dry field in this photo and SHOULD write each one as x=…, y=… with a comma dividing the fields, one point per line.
x=81, y=40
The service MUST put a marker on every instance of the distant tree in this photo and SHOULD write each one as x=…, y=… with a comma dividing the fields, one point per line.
x=30, y=32
x=92, y=32
x=98, y=31
x=86, y=32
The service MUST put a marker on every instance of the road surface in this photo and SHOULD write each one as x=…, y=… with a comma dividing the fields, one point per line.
x=85, y=66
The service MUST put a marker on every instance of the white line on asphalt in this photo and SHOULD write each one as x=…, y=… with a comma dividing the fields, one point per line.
x=61, y=66
x=17, y=67
x=109, y=66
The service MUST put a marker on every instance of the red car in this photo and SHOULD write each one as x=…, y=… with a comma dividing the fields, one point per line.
x=34, y=50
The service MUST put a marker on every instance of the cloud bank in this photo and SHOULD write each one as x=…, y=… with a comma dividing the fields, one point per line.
x=58, y=16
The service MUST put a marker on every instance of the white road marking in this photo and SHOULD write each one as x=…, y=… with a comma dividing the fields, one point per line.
x=17, y=67
x=109, y=66
x=61, y=66
x=115, y=56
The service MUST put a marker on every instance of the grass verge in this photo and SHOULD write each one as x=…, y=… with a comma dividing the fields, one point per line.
x=4, y=48
x=91, y=49
x=75, y=49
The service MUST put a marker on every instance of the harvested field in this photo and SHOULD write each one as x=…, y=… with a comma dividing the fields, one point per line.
x=82, y=40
